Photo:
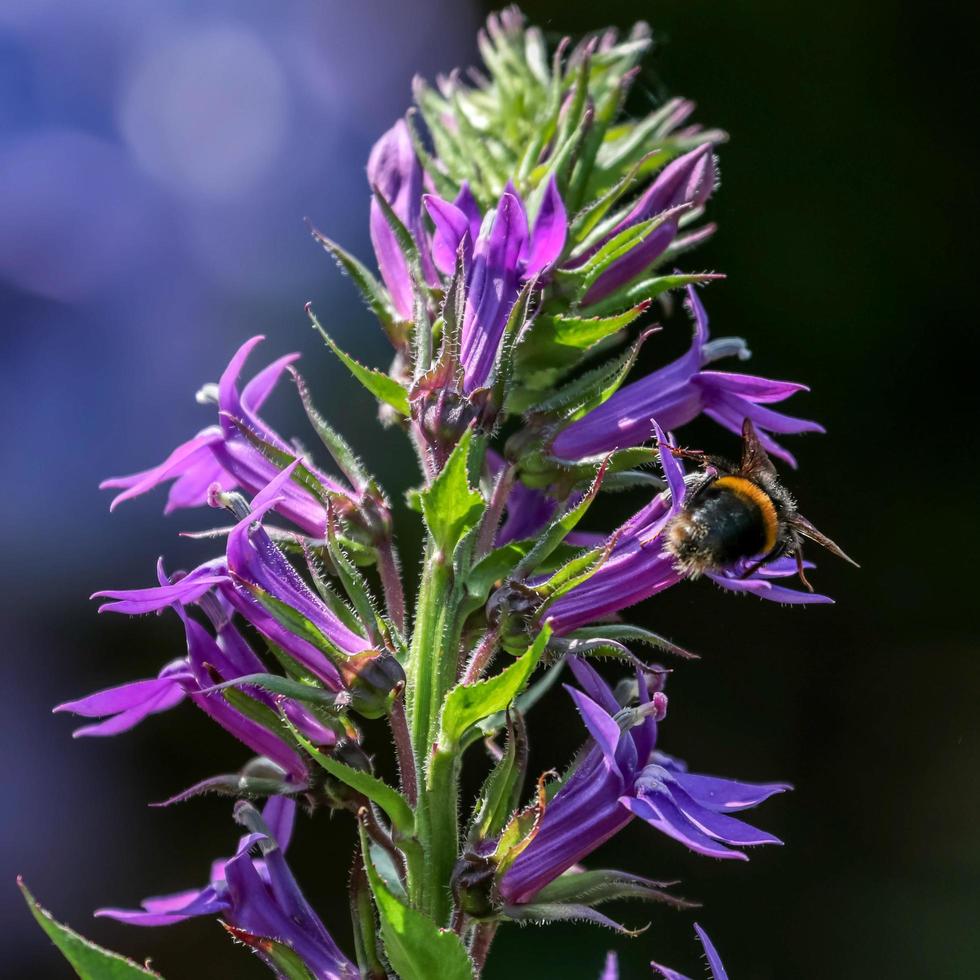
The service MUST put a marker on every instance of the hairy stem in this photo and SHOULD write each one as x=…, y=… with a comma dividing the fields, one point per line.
x=398, y=721
x=391, y=584
x=431, y=671
x=480, y=947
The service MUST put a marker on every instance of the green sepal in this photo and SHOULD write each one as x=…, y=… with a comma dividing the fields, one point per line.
x=386, y=797
x=648, y=289
x=354, y=583
x=284, y=960
x=467, y=705
x=293, y=689
x=595, y=887
x=558, y=530
x=415, y=946
x=373, y=293
x=300, y=475
x=386, y=389
x=90, y=962
x=501, y=791
x=582, y=332
x=335, y=444
x=543, y=912
x=364, y=922
x=625, y=633
x=450, y=506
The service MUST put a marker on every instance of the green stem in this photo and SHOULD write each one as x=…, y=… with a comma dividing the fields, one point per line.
x=431, y=672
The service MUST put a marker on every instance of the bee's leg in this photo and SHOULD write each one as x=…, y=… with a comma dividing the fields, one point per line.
x=697, y=456
x=799, y=568
x=776, y=552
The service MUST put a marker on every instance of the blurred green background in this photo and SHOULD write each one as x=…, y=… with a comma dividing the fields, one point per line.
x=847, y=215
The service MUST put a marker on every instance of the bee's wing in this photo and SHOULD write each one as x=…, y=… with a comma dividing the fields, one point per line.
x=804, y=527
x=755, y=459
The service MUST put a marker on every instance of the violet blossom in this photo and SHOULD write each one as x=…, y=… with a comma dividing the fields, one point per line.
x=623, y=776
x=711, y=954
x=223, y=454
x=677, y=394
x=257, y=894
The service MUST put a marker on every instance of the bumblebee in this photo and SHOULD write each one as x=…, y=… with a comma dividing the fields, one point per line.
x=738, y=513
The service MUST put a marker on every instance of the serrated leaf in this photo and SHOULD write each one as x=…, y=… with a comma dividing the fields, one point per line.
x=376, y=790
x=90, y=962
x=383, y=387
x=468, y=704
x=624, y=632
x=415, y=946
x=450, y=506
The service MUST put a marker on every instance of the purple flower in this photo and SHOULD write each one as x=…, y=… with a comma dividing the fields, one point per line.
x=257, y=894
x=622, y=776
x=498, y=260
x=639, y=566
x=394, y=170
x=222, y=454
x=226, y=656
x=714, y=960
x=677, y=394
x=684, y=184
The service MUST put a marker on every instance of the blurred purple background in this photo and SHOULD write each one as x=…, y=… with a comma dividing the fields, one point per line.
x=156, y=164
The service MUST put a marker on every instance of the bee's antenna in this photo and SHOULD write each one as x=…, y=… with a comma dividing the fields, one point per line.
x=805, y=528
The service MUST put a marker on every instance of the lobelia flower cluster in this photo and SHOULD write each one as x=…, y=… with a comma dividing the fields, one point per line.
x=527, y=234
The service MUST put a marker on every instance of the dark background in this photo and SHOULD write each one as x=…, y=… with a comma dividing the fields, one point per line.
x=155, y=162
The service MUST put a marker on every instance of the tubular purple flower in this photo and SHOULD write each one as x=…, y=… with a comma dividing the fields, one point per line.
x=677, y=394
x=255, y=563
x=685, y=183
x=210, y=660
x=222, y=454
x=622, y=776
x=258, y=895
x=711, y=954
x=394, y=169
x=503, y=256
x=639, y=567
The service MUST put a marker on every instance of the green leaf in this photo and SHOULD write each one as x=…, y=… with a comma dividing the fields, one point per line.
x=415, y=946
x=384, y=388
x=376, y=790
x=353, y=582
x=648, y=289
x=91, y=962
x=493, y=568
x=594, y=887
x=371, y=290
x=450, y=506
x=468, y=704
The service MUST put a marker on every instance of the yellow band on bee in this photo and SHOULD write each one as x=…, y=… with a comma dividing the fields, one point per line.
x=746, y=490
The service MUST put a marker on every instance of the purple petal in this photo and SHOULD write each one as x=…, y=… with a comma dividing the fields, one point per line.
x=601, y=725
x=550, y=231
x=759, y=390
x=467, y=203
x=728, y=830
x=658, y=810
x=714, y=960
x=767, y=590
x=672, y=467
x=169, y=909
x=138, y=601
x=115, y=699
x=611, y=970
x=451, y=226
x=594, y=685
x=184, y=459
x=279, y=814
x=255, y=393
x=727, y=794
